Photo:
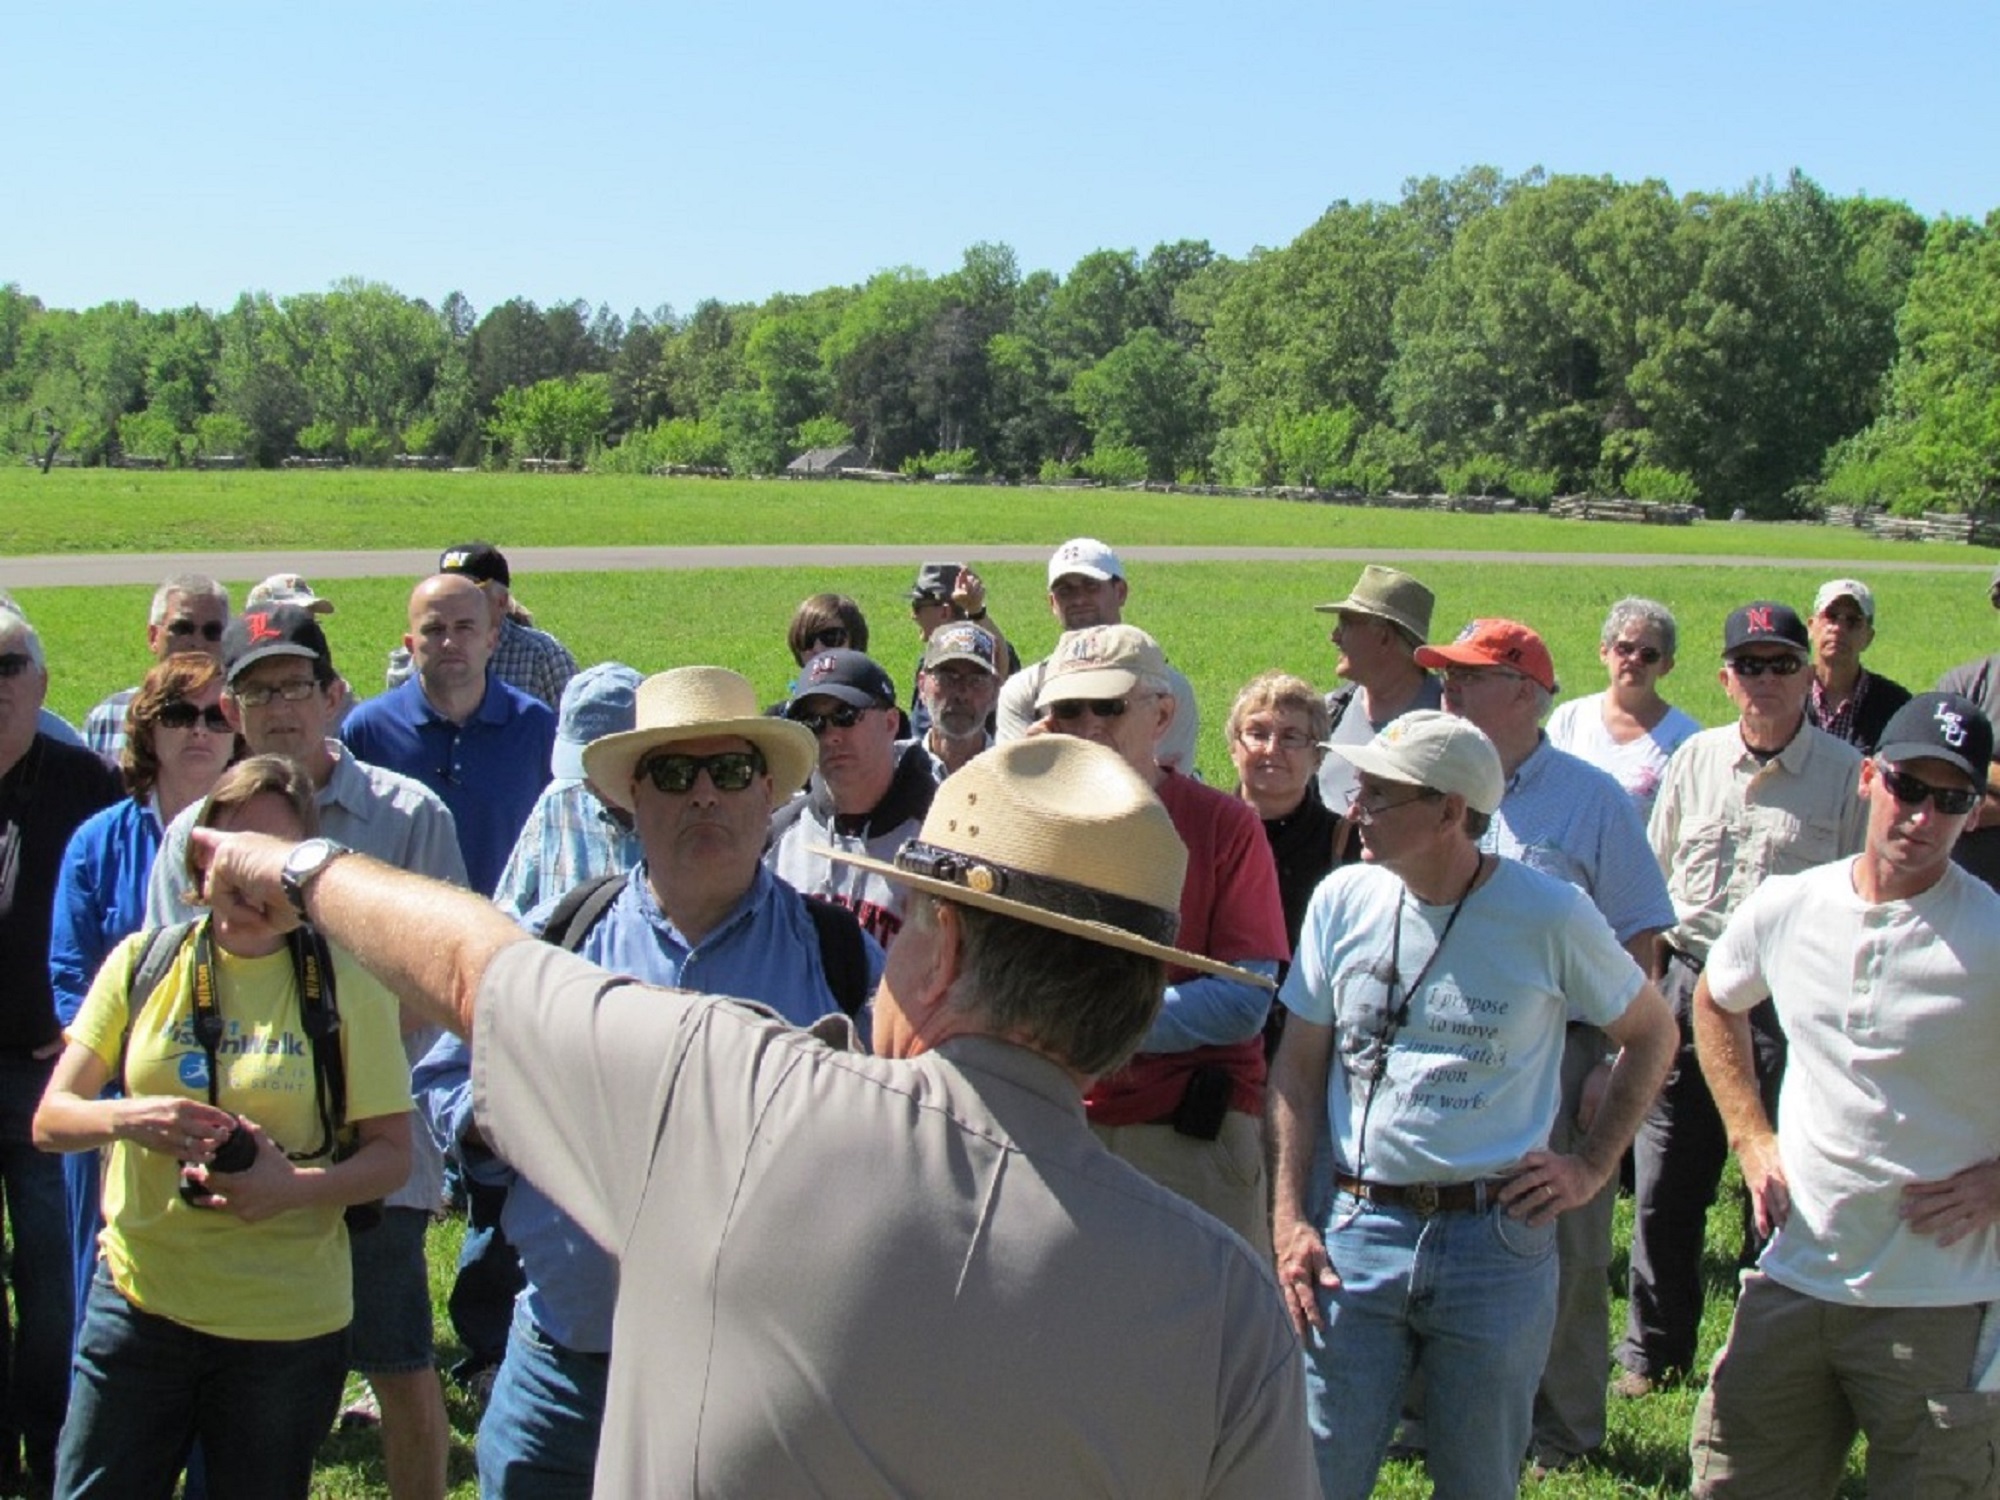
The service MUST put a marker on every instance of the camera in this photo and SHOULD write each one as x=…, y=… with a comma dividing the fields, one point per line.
x=236, y=1153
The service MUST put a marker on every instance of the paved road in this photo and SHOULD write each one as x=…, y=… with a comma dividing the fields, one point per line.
x=78, y=569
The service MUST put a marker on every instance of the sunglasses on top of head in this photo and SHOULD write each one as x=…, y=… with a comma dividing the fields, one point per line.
x=675, y=774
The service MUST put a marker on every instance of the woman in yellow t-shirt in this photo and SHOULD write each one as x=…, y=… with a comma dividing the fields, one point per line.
x=222, y=1301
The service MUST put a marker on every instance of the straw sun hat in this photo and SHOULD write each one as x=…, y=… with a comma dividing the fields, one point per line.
x=1060, y=832
x=698, y=703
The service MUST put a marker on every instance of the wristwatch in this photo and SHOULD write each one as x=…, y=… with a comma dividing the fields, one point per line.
x=303, y=864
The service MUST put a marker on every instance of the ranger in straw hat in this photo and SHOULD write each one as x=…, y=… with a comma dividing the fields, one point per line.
x=809, y=1236
x=697, y=771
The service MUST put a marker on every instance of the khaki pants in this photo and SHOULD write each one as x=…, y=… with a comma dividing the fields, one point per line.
x=1799, y=1377
x=1569, y=1405
x=1224, y=1176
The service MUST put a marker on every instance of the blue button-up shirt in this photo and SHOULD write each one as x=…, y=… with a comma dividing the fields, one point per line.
x=766, y=949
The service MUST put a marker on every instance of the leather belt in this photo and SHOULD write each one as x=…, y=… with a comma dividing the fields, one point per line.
x=1424, y=1198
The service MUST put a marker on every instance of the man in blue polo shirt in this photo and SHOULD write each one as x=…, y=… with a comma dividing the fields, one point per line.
x=481, y=745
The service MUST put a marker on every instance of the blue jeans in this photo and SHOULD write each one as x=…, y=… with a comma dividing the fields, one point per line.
x=489, y=1278
x=146, y=1387
x=1468, y=1299
x=538, y=1439
x=34, y=1358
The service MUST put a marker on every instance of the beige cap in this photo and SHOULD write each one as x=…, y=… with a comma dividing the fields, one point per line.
x=1100, y=661
x=1429, y=749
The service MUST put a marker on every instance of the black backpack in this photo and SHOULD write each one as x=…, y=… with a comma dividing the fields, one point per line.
x=841, y=951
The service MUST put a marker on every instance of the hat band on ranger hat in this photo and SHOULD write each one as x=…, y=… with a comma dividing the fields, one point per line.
x=1064, y=898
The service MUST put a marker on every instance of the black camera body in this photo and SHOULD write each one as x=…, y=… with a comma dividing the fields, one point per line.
x=236, y=1154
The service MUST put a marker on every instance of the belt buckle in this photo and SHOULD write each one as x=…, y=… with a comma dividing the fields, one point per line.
x=1421, y=1198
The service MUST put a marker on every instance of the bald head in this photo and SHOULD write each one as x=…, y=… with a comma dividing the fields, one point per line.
x=452, y=634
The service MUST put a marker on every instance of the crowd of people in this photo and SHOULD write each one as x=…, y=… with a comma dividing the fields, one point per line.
x=954, y=1094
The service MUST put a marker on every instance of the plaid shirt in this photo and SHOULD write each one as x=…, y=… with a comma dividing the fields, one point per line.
x=1838, y=719
x=569, y=838
x=104, y=729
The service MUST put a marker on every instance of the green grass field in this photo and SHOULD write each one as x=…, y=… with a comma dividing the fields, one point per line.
x=1221, y=622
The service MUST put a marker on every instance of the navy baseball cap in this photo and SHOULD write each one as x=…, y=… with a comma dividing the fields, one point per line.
x=1940, y=726
x=846, y=675
x=1764, y=623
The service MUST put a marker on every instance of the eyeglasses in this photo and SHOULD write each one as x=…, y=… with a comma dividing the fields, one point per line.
x=844, y=717
x=1259, y=738
x=1911, y=791
x=675, y=774
x=1364, y=812
x=1624, y=650
x=296, y=691
x=1068, y=709
x=181, y=714
x=1756, y=666
x=833, y=638
x=208, y=630
x=14, y=663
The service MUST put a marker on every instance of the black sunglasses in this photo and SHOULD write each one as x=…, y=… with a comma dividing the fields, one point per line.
x=675, y=774
x=1647, y=654
x=181, y=714
x=844, y=717
x=1075, y=708
x=830, y=639
x=1911, y=791
x=210, y=630
x=14, y=663
x=1757, y=666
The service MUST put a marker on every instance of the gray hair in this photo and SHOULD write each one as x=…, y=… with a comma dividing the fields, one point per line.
x=1636, y=611
x=1079, y=1001
x=188, y=586
x=13, y=622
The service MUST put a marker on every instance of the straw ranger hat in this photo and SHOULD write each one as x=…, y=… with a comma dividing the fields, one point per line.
x=1388, y=594
x=1060, y=832
x=698, y=703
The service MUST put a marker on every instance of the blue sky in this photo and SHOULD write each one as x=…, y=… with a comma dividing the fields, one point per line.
x=649, y=154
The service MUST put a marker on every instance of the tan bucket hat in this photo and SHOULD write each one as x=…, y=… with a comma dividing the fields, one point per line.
x=1388, y=594
x=696, y=703
x=1060, y=832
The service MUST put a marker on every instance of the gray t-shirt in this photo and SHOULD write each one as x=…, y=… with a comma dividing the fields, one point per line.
x=850, y=1275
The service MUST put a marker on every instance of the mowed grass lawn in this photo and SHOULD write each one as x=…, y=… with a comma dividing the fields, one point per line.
x=1220, y=622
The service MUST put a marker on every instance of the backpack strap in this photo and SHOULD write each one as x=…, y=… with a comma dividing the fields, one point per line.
x=152, y=961
x=1337, y=704
x=580, y=909
x=842, y=953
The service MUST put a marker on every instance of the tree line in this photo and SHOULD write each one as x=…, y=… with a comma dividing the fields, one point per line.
x=1769, y=349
